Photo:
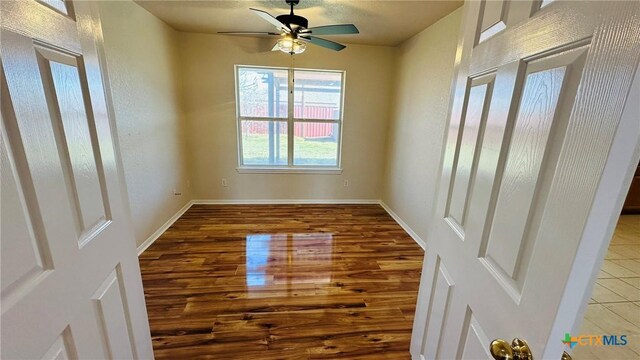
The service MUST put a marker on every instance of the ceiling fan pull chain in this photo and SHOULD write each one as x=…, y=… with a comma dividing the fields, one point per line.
x=293, y=73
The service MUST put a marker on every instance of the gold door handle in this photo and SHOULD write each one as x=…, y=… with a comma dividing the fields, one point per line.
x=517, y=350
x=566, y=356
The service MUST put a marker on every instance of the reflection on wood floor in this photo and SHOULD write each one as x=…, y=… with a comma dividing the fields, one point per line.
x=282, y=282
x=614, y=308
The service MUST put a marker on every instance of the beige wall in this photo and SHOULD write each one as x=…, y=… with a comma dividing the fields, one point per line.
x=208, y=79
x=419, y=114
x=142, y=63
x=395, y=112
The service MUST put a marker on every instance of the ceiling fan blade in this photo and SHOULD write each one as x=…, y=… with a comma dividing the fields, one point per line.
x=273, y=21
x=341, y=29
x=247, y=33
x=322, y=42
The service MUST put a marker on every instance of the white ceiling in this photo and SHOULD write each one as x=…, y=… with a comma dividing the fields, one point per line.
x=381, y=22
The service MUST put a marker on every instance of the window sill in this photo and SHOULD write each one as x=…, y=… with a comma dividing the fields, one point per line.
x=280, y=170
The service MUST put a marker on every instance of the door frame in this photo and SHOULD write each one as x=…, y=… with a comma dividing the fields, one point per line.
x=603, y=216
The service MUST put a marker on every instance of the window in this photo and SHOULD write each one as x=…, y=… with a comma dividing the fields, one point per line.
x=289, y=118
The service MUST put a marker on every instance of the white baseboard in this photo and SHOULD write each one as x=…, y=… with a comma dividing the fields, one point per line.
x=285, y=201
x=404, y=225
x=151, y=239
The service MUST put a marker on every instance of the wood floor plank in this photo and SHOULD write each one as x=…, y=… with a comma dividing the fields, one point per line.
x=282, y=282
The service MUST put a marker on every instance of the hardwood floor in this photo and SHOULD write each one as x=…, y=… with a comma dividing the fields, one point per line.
x=282, y=282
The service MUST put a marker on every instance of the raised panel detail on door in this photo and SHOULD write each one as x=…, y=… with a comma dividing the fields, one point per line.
x=62, y=349
x=471, y=132
x=25, y=253
x=69, y=104
x=111, y=313
x=438, y=310
x=509, y=240
x=61, y=6
x=493, y=19
x=473, y=343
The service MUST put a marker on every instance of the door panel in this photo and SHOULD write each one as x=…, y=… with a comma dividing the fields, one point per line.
x=473, y=344
x=36, y=170
x=520, y=194
x=112, y=317
x=522, y=169
x=62, y=6
x=468, y=149
x=67, y=100
x=24, y=223
x=71, y=284
x=443, y=286
x=493, y=18
x=62, y=348
x=534, y=111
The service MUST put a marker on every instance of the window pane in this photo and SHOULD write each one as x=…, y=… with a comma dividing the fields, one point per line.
x=317, y=94
x=264, y=143
x=316, y=144
x=263, y=92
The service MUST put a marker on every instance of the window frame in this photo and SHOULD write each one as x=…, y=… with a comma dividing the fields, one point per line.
x=290, y=120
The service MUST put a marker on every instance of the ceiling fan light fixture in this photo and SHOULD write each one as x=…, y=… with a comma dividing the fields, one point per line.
x=299, y=47
x=291, y=46
x=295, y=33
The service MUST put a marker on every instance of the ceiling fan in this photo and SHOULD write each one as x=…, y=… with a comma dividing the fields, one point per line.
x=295, y=33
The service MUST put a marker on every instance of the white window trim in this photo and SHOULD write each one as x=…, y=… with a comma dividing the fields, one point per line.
x=290, y=121
x=288, y=170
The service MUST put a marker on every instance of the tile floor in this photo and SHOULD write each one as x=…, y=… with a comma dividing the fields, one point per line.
x=615, y=303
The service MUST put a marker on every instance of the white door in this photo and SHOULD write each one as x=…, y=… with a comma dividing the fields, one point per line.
x=539, y=92
x=71, y=285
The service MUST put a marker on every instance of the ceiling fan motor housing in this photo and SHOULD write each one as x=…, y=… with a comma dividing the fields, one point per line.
x=291, y=20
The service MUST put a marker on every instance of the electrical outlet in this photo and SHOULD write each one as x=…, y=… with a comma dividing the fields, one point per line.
x=224, y=182
x=346, y=183
x=188, y=184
